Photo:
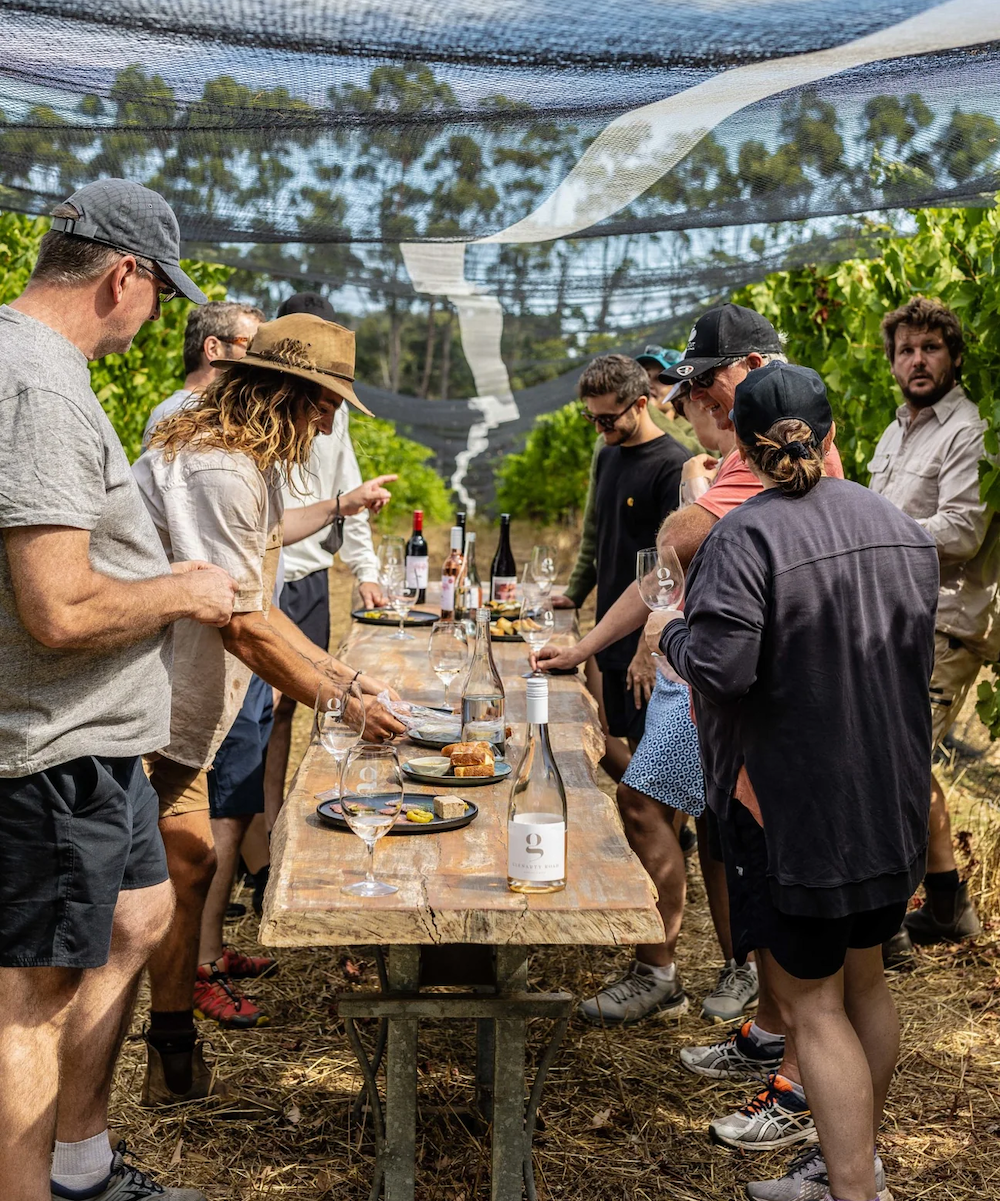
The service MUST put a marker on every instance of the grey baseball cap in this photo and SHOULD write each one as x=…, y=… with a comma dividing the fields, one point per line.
x=129, y=217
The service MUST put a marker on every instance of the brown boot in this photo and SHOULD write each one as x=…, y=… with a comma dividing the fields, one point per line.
x=219, y=1099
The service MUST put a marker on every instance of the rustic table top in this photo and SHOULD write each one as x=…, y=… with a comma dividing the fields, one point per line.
x=453, y=885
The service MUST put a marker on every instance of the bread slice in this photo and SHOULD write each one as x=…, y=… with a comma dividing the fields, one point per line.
x=466, y=747
x=466, y=754
x=474, y=769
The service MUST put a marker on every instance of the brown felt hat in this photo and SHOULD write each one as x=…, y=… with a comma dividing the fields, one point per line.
x=309, y=347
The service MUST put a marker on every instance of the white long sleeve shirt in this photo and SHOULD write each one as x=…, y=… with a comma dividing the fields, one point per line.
x=332, y=468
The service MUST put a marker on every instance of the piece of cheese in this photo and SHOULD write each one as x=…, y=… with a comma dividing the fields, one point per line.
x=449, y=806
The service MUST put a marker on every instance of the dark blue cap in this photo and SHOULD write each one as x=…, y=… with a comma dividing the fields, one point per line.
x=778, y=391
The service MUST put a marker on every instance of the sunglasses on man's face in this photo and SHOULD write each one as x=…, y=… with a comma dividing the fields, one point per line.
x=166, y=291
x=705, y=379
x=608, y=421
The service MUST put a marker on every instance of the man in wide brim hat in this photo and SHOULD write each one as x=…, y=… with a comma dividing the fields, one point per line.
x=307, y=346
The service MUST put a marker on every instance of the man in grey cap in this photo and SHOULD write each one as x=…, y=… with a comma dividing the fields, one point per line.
x=87, y=598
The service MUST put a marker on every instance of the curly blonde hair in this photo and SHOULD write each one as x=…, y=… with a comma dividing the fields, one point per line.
x=247, y=410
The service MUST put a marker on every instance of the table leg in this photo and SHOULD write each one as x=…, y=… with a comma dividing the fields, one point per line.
x=508, y=1082
x=401, y=1082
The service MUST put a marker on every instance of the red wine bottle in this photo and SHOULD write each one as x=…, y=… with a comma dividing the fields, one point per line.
x=416, y=558
x=503, y=573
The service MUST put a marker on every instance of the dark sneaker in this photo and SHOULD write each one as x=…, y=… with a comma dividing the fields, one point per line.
x=806, y=1180
x=247, y=967
x=944, y=917
x=126, y=1183
x=688, y=840
x=735, y=993
x=775, y=1118
x=897, y=951
x=234, y=911
x=214, y=1096
x=217, y=999
x=637, y=995
x=734, y=1058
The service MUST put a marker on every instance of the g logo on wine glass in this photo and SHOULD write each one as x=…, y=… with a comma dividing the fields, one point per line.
x=367, y=777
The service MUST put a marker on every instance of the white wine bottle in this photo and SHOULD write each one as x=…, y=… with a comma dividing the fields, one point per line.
x=536, y=818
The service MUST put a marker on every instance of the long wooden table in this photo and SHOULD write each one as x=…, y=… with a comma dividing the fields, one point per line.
x=453, y=920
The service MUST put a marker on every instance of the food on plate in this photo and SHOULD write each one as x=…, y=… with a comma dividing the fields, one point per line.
x=431, y=764
x=505, y=608
x=475, y=769
x=420, y=815
x=469, y=754
x=448, y=807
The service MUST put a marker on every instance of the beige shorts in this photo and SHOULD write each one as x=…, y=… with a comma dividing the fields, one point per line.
x=955, y=671
x=181, y=789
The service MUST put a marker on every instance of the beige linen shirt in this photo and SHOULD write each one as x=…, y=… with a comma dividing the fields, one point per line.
x=215, y=506
x=928, y=466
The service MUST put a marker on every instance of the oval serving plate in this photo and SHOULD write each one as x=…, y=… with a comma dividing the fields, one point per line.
x=328, y=815
x=501, y=772
x=434, y=742
x=385, y=617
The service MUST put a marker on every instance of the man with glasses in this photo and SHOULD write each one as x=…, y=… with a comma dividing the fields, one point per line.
x=221, y=329
x=87, y=597
x=637, y=483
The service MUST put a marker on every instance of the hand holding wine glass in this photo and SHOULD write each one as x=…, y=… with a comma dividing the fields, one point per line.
x=448, y=651
x=371, y=798
x=339, y=720
x=537, y=622
x=660, y=580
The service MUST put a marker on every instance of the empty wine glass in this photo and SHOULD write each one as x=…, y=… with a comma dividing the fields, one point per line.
x=660, y=579
x=448, y=651
x=371, y=798
x=537, y=622
x=339, y=721
x=402, y=594
x=391, y=554
x=543, y=566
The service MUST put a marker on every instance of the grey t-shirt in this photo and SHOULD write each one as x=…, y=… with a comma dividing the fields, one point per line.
x=61, y=463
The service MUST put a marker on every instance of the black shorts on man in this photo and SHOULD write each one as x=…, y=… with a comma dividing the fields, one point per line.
x=624, y=719
x=307, y=603
x=72, y=838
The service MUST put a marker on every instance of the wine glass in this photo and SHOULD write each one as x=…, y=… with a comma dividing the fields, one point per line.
x=402, y=594
x=339, y=721
x=448, y=651
x=543, y=566
x=660, y=580
x=538, y=621
x=391, y=554
x=371, y=798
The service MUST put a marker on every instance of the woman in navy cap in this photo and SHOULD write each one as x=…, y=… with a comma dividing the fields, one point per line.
x=808, y=641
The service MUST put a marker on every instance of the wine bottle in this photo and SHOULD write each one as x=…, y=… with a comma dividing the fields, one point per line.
x=460, y=522
x=416, y=558
x=483, y=701
x=503, y=573
x=536, y=817
x=473, y=586
x=452, y=574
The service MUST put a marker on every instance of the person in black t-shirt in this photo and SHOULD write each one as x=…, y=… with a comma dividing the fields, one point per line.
x=637, y=483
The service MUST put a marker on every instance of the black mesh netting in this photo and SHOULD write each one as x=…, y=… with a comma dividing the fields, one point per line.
x=627, y=161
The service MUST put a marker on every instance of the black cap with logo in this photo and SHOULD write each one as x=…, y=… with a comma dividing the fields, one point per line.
x=727, y=332
x=135, y=220
x=308, y=302
x=775, y=392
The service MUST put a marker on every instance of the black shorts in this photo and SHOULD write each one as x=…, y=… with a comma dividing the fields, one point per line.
x=71, y=838
x=236, y=781
x=307, y=603
x=624, y=719
x=809, y=948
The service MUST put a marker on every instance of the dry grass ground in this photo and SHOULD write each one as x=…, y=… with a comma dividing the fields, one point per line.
x=622, y=1119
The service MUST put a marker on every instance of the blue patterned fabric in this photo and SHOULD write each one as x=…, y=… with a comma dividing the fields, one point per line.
x=666, y=764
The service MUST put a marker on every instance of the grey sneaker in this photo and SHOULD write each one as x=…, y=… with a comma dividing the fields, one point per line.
x=734, y=1058
x=775, y=1118
x=635, y=996
x=806, y=1180
x=126, y=1183
x=736, y=991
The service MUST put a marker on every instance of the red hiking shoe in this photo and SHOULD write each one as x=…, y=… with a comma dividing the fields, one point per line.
x=219, y=1000
x=246, y=967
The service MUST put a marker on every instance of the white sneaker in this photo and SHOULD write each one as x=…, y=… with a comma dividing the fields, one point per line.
x=736, y=992
x=806, y=1180
x=635, y=996
x=734, y=1058
x=775, y=1118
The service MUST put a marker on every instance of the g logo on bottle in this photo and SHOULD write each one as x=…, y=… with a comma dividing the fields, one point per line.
x=533, y=845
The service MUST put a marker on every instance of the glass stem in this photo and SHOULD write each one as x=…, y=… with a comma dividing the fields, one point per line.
x=370, y=873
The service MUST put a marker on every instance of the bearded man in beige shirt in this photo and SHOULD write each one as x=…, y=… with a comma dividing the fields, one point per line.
x=927, y=464
x=211, y=478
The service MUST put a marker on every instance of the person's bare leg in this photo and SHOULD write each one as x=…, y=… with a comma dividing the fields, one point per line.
x=99, y=1016
x=34, y=1006
x=227, y=834
x=835, y=1075
x=872, y=1013
x=276, y=766
x=649, y=830
x=940, y=849
x=768, y=1017
x=187, y=838
x=254, y=848
x=714, y=874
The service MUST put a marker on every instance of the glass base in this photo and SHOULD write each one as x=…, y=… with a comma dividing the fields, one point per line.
x=369, y=888
x=402, y=636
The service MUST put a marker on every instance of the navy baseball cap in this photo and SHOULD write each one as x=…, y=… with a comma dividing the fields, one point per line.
x=727, y=332
x=778, y=391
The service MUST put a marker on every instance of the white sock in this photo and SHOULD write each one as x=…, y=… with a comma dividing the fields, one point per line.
x=660, y=973
x=760, y=1036
x=82, y=1165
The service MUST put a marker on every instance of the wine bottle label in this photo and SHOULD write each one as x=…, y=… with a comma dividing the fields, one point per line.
x=447, y=593
x=536, y=850
x=416, y=571
x=475, y=596
x=504, y=587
